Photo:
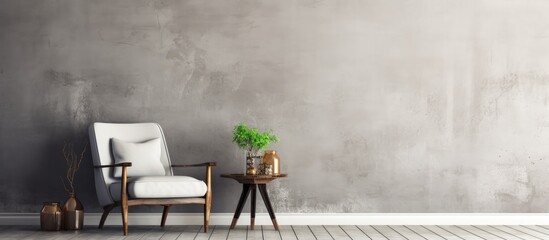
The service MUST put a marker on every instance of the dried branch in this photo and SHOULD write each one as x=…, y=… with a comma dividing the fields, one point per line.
x=64, y=185
x=73, y=165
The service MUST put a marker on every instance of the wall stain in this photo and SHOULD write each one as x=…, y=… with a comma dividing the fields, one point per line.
x=495, y=89
x=130, y=90
x=189, y=62
x=74, y=97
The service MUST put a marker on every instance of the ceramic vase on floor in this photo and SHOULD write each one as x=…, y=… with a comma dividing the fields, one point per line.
x=51, y=217
x=73, y=213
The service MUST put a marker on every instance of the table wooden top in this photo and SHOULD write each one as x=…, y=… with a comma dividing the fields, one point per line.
x=253, y=179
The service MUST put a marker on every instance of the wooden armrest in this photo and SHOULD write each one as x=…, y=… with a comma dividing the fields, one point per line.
x=206, y=164
x=126, y=164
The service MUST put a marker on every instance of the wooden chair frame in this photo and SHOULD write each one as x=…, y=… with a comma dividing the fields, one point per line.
x=125, y=202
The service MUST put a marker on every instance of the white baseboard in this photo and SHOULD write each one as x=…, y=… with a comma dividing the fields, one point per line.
x=92, y=219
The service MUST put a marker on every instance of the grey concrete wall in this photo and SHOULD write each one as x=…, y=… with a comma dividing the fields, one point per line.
x=381, y=106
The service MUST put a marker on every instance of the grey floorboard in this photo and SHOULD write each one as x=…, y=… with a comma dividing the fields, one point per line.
x=407, y=233
x=269, y=233
x=372, y=232
x=479, y=232
x=460, y=232
x=34, y=232
x=62, y=235
x=497, y=232
x=388, y=232
x=303, y=232
x=543, y=226
x=425, y=233
x=442, y=232
x=320, y=232
x=172, y=232
x=107, y=233
x=287, y=232
x=220, y=232
x=18, y=232
x=201, y=235
x=529, y=232
x=154, y=234
x=191, y=231
x=354, y=232
x=255, y=234
x=539, y=229
x=515, y=233
x=239, y=232
x=134, y=232
x=337, y=232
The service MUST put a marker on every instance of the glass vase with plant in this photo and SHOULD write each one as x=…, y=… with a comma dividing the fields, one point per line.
x=252, y=140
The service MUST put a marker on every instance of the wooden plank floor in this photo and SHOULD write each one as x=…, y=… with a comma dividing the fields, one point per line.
x=375, y=232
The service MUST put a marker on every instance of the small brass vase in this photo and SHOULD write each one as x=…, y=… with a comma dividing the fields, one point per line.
x=251, y=171
x=271, y=158
x=51, y=217
x=73, y=213
x=250, y=166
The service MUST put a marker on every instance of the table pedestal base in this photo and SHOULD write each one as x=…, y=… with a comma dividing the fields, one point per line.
x=246, y=189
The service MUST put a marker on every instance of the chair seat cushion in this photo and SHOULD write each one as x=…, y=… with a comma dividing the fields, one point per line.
x=161, y=187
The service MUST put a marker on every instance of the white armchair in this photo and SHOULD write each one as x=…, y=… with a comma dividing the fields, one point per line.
x=132, y=167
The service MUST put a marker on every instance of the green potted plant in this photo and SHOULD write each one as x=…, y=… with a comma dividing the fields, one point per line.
x=251, y=140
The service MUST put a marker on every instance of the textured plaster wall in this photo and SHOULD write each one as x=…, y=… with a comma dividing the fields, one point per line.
x=381, y=106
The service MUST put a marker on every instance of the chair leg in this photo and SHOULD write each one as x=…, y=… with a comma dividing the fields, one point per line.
x=165, y=215
x=207, y=208
x=208, y=202
x=124, y=199
x=125, y=218
x=106, y=210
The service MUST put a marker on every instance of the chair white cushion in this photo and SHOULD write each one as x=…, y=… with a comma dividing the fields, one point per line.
x=161, y=187
x=144, y=156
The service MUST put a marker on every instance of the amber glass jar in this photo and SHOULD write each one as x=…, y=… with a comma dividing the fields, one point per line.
x=271, y=158
x=50, y=217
